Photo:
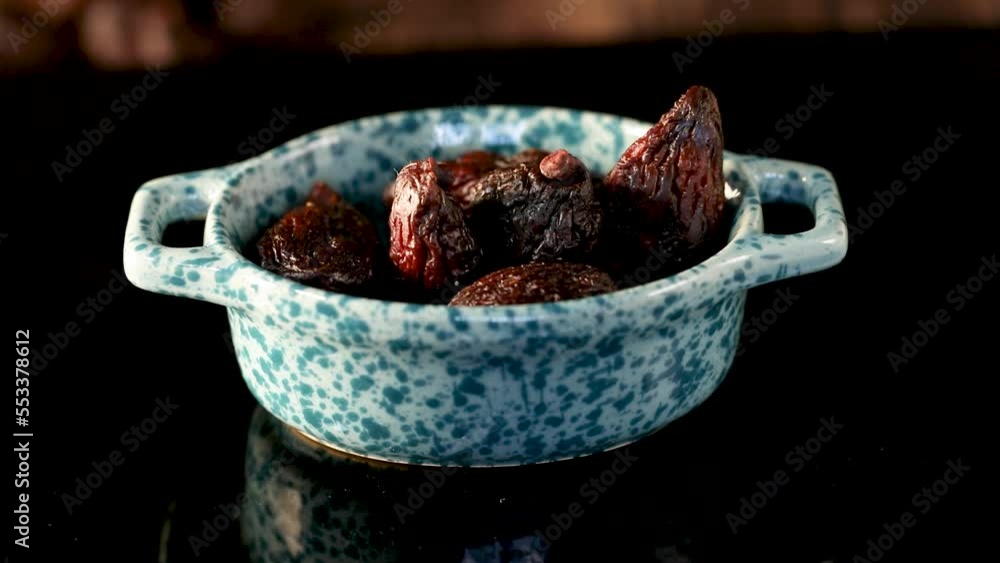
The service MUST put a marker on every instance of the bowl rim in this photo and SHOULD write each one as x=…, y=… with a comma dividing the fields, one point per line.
x=221, y=239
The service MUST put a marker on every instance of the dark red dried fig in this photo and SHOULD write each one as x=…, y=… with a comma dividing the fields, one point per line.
x=541, y=209
x=429, y=241
x=667, y=191
x=534, y=283
x=458, y=176
x=324, y=242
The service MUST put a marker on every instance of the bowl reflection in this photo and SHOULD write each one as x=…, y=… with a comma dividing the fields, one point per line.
x=309, y=503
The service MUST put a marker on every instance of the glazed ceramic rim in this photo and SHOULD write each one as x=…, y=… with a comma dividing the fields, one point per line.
x=815, y=249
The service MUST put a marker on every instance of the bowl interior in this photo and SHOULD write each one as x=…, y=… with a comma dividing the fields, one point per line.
x=359, y=158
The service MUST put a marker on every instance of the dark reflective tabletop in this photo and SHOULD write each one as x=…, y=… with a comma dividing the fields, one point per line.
x=303, y=502
x=816, y=447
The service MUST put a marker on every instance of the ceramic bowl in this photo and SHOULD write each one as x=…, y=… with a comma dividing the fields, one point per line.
x=437, y=385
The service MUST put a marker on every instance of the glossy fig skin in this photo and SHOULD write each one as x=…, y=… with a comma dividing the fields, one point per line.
x=457, y=177
x=429, y=241
x=325, y=243
x=520, y=214
x=534, y=283
x=667, y=192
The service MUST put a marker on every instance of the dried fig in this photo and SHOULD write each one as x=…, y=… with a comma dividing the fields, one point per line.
x=325, y=242
x=429, y=241
x=533, y=283
x=667, y=191
x=543, y=208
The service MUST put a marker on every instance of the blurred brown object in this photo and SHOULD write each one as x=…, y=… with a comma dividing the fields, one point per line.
x=133, y=33
x=559, y=22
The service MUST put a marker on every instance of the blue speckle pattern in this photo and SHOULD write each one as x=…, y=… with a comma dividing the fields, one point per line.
x=470, y=386
x=291, y=516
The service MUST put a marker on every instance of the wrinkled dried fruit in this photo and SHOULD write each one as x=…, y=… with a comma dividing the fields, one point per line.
x=534, y=283
x=539, y=215
x=325, y=243
x=429, y=241
x=667, y=191
x=457, y=177
x=530, y=157
x=543, y=208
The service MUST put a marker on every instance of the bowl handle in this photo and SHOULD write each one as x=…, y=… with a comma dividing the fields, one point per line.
x=198, y=272
x=822, y=246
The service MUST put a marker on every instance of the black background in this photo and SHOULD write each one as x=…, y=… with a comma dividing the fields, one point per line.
x=824, y=357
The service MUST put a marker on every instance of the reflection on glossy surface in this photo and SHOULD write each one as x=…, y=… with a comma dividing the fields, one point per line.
x=309, y=503
x=296, y=516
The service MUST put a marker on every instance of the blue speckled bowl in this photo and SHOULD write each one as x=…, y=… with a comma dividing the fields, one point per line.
x=439, y=385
